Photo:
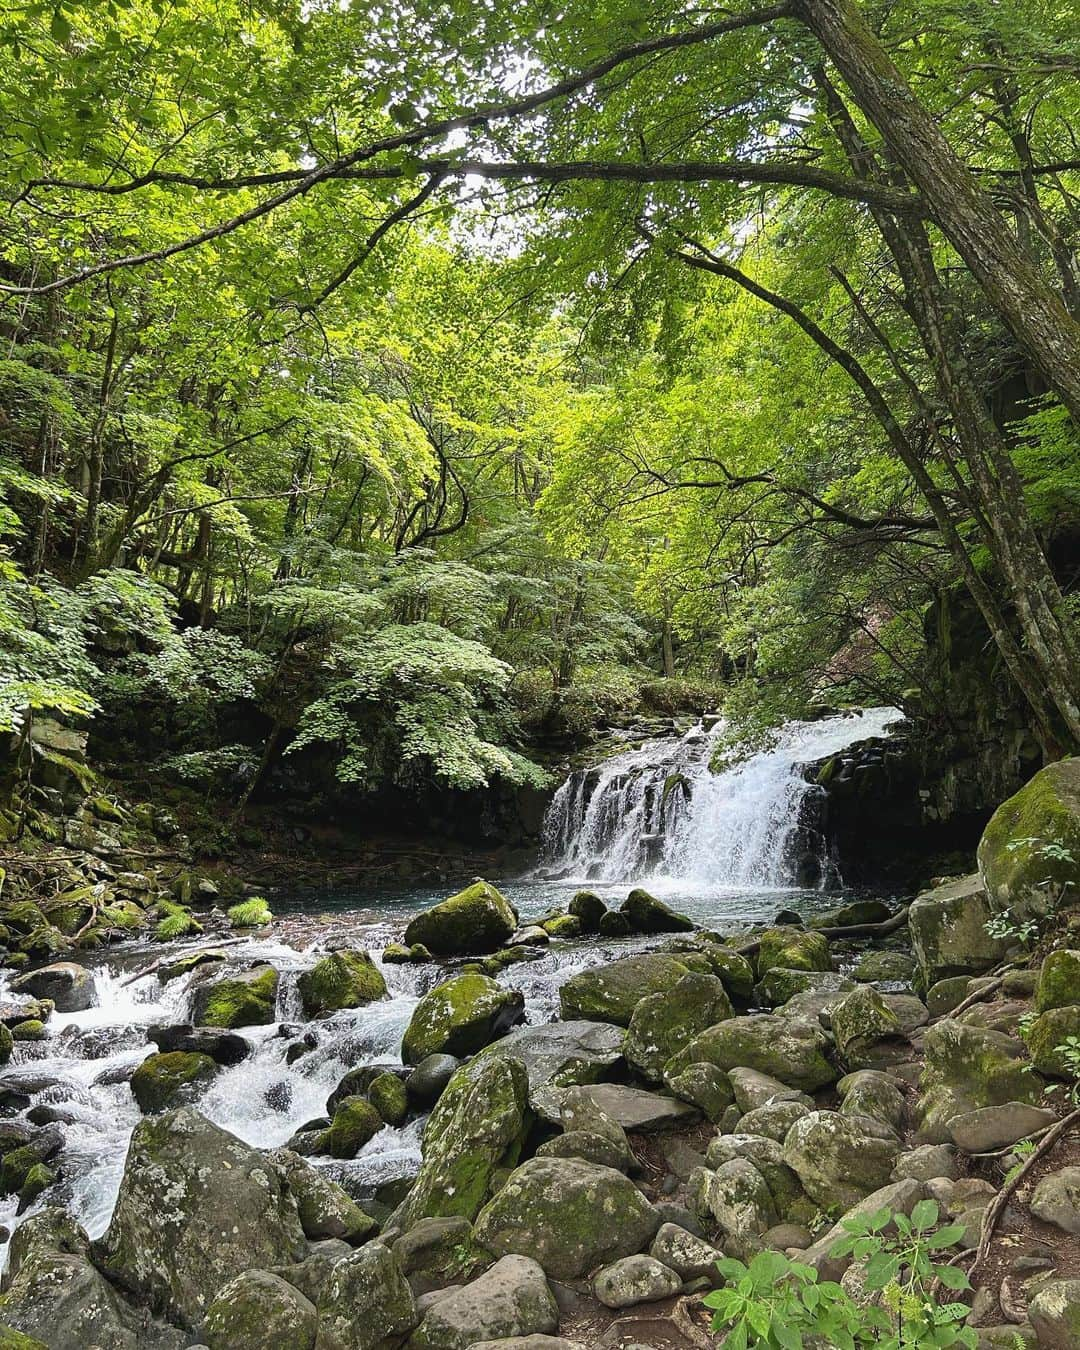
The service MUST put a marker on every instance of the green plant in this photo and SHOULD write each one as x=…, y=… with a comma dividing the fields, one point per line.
x=1004, y=927
x=175, y=925
x=900, y=1261
x=253, y=913
x=1023, y=1150
x=1067, y=1052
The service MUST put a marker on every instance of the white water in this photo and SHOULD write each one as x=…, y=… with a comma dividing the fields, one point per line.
x=659, y=811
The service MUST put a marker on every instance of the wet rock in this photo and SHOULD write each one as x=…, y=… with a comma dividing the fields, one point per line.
x=646, y=914
x=690, y=1256
x=662, y=1024
x=1054, y=1314
x=779, y=984
x=355, y=1122
x=511, y=1299
x=836, y=1159
x=477, y=1128
x=324, y=1208
x=848, y=916
x=948, y=931
x=243, y=1000
x=614, y=925
x=966, y=1068
x=186, y=964
x=194, y=1205
x=1030, y=850
x=563, y=1053
x=562, y=926
x=569, y=1216
x=366, y=1302
x=993, y=1127
x=704, y=1086
x=257, y=1311
x=589, y=910
x=171, y=1079
x=611, y=992
x=793, y=1052
x=344, y=979
x=66, y=984
x=1057, y=1199
x=427, y=1082
x=459, y=1017
x=388, y=1096
x=224, y=1047
x=436, y=1253
x=635, y=1279
x=792, y=949
x=476, y=920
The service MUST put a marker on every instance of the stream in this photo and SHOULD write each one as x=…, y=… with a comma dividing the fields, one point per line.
x=78, y=1074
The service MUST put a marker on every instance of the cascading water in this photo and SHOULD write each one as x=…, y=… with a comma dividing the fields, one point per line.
x=659, y=809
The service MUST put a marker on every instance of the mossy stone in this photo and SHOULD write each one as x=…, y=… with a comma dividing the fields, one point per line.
x=1029, y=854
x=792, y=949
x=610, y=993
x=724, y=962
x=344, y=979
x=10, y=1339
x=459, y=1017
x=386, y=1093
x=7, y=1042
x=562, y=926
x=589, y=909
x=779, y=984
x=1048, y=1032
x=790, y=1051
x=614, y=925
x=355, y=1122
x=30, y=1030
x=164, y=1080
x=16, y=1168
x=39, y=1178
x=948, y=931
x=478, y=919
x=186, y=964
x=848, y=916
x=256, y=1310
x=243, y=1000
x=884, y=967
x=1059, y=980
x=663, y=1023
x=646, y=914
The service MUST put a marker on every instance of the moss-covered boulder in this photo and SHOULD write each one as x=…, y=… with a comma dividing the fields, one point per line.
x=967, y=1067
x=662, y=1024
x=167, y=1080
x=509, y=1305
x=793, y=1052
x=366, y=1302
x=10, y=1339
x=779, y=984
x=477, y=1128
x=611, y=992
x=7, y=1044
x=387, y=1094
x=857, y=913
x=948, y=931
x=724, y=962
x=397, y=954
x=646, y=914
x=792, y=949
x=1046, y=1040
x=344, y=979
x=867, y=1032
x=195, y=1205
x=1029, y=855
x=326, y=1210
x=477, y=919
x=257, y=1310
x=1054, y=1313
x=838, y=1159
x=435, y=1253
x=355, y=1123
x=785, y=1189
x=739, y=1202
x=615, y=925
x=246, y=999
x=1059, y=980
x=459, y=1017
x=588, y=909
x=884, y=967
x=704, y=1086
x=568, y=1215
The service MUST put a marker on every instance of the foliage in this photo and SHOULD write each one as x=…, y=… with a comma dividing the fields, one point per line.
x=1067, y=1053
x=774, y=1303
x=253, y=913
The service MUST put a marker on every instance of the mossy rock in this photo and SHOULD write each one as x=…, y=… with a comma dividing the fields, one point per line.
x=663, y=1023
x=256, y=1310
x=478, y=919
x=792, y=949
x=17, y=1167
x=860, y=1023
x=615, y=925
x=186, y=964
x=10, y=1339
x=344, y=979
x=948, y=931
x=884, y=967
x=355, y=1123
x=244, y=1000
x=1049, y=1031
x=508, y=956
x=967, y=1067
x=1059, y=980
x=724, y=962
x=38, y=1180
x=790, y=1051
x=1029, y=855
x=562, y=926
x=7, y=1042
x=588, y=909
x=646, y=914
x=779, y=984
x=30, y=1030
x=610, y=993
x=857, y=913
x=386, y=1093
x=460, y=1017
x=165, y=1080
x=397, y=954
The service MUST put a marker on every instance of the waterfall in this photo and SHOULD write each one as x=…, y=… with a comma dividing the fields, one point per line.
x=659, y=810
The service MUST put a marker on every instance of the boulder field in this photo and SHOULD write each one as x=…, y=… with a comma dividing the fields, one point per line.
x=698, y=1097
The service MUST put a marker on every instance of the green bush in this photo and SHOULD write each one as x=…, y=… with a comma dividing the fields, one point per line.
x=253, y=913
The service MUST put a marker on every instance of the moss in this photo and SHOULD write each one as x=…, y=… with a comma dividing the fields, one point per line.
x=178, y=924
x=477, y=919
x=10, y=1339
x=1059, y=981
x=793, y=949
x=242, y=1002
x=387, y=1094
x=165, y=1079
x=397, y=954
x=1047, y=1034
x=16, y=1168
x=663, y=1023
x=39, y=1178
x=1029, y=854
x=611, y=993
x=345, y=979
x=187, y=964
x=646, y=914
x=733, y=969
x=355, y=1122
x=7, y=1042
x=562, y=926
x=253, y=913
x=508, y=956
x=589, y=909
x=887, y=966
x=459, y=1017
x=30, y=1030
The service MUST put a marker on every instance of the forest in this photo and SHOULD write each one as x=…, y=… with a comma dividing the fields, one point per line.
x=546, y=440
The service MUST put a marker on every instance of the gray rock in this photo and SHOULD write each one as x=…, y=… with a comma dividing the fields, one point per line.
x=426, y=1083
x=768, y=1157
x=836, y=1158
x=704, y=1086
x=739, y=1200
x=663, y=1023
x=436, y=1253
x=256, y=1311
x=631, y=1108
x=611, y=992
x=365, y=1303
x=594, y=1148
x=1054, y=1314
x=753, y=1089
x=564, y=1053
x=899, y=1197
x=511, y=1299
x=993, y=1127
x=224, y=1047
x=635, y=1279
x=194, y=1204
x=690, y=1256
x=325, y=1209
x=70, y=987
x=792, y=1051
x=1057, y=1199
x=570, y=1216
x=871, y=1093
x=948, y=931
x=967, y=1067
x=774, y=1119
x=926, y=1162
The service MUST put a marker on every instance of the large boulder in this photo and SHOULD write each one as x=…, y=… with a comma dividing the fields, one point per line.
x=326, y=1210
x=344, y=979
x=792, y=949
x=646, y=914
x=741, y=1205
x=477, y=1128
x=437, y=1253
x=365, y=1303
x=1029, y=854
x=948, y=931
x=899, y=1197
x=246, y=999
x=1059, y=981
x=611, y=992
x=837, y=1159
x=68, y=985
x=257, y=1310
x=867, y=1032
x=570, y=1216
x=779, y=984
x=967, y=1067
x=513, y=1298
x=1047, y=1037
x=477, y=919
x=767, y=1156
x=725, y=962
x=54, y=1295
x=171, y=1079
x=561, y=1054
x=195, y=1205
x=588, y=909
x=355, y=1122
x=459, y=1017
x=1057, y=1199
x=792, y=1052
x=631, y=1108
x=662, y=1024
